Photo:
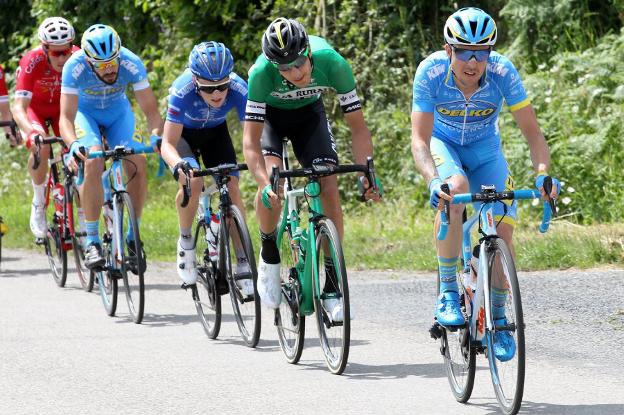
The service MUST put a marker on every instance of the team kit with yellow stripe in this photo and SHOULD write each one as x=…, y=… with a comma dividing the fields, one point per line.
x=466, y=138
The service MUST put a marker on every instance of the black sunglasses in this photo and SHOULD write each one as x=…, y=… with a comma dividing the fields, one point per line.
x=209, y=89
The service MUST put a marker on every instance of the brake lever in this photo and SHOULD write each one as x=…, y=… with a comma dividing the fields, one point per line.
x=547, y=189
x=186, y=188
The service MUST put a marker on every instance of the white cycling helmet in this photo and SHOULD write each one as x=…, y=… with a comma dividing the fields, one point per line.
x=56, y=31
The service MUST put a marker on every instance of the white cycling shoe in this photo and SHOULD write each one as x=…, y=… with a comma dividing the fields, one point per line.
x=334, y=309
x=187, y=267
x=38, y=224
x=246, y=285
x=269, y=284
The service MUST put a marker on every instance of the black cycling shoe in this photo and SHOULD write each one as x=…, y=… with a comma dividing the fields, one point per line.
x=93, y=257
x=132, y=258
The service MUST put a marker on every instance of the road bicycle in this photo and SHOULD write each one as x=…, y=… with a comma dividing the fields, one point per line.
x=495, y=270
x=123, y=261
x=65, y=230
x=234, y=264
x=312, y=264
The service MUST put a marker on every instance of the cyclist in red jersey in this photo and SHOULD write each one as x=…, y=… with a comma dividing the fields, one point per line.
x=37, y=102
x=5, y=111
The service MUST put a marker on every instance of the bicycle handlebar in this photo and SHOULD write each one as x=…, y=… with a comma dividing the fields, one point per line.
x=13, y=126
x=40, y=141
x=117, y=153
x=323, y=170
x=463, y=198
x=222, y=169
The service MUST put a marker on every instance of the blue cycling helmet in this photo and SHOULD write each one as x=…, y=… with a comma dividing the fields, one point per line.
x=101, y=43
x=211, y=60
x=470, y=26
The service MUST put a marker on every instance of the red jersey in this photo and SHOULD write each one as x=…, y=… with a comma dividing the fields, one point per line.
x=4, y=95
x=37, y=80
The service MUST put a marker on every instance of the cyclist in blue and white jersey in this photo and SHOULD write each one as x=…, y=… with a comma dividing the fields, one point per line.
x=199, y=101
x=93, y=97
x=457, y=95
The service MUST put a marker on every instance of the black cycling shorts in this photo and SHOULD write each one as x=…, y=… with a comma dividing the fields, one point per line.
x=308, y=130
x=213, y=144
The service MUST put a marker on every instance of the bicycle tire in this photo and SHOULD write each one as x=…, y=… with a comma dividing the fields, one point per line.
x=246, y=309
x=290, y=323
x=57, y=255
x=507, y=377
x=134, y=283
x=107, y=279
x=207, y=300
x=85, y=277
x=335, y=337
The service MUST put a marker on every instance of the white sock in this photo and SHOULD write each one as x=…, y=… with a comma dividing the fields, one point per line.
x=38, y=193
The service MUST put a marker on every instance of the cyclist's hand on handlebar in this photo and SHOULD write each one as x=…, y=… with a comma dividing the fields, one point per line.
x=556, y=186
x=435, y=192
x=369, y=192
x=31, y=140
x=268, y=197
x=78, y=153
x=181, y=170
x=156, y=142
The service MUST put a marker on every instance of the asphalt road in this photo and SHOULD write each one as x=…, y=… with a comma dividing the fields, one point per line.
x=60, y=353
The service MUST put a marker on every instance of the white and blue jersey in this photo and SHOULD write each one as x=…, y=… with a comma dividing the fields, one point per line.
x=188, y=108
x=466, y=139
x=459, y=120
x=102, y=105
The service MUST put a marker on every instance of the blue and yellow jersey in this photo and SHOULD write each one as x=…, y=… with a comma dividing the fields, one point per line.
x=456, y=119
x=93, y=93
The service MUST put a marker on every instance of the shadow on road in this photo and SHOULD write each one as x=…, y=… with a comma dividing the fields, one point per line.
x=529, y=407
x=12, y=273
x=165, y=320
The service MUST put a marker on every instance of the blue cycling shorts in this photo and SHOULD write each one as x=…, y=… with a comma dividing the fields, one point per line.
x=482, y=163
x=117, y=123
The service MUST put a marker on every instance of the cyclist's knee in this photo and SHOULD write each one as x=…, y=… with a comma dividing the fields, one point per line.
x=94, y=167
x=196, y=186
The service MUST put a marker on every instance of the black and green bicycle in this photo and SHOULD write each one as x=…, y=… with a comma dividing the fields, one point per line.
x=313, y=269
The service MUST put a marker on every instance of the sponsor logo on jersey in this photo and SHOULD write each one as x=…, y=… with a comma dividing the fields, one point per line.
x=436, y=71
x=254, y=117
x=104, y=91
x=354, y=107
x=348, y=98
x=130, y=66
x=300, y=93
x=78, y=69
x=33, y=63
x=498, y=69
x=255, y=107
x=461, y=113
x=182, y=92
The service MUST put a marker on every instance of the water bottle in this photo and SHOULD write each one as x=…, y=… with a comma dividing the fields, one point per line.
x=211, y=235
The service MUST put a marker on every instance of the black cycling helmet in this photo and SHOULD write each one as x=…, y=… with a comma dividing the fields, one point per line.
x=284, y=40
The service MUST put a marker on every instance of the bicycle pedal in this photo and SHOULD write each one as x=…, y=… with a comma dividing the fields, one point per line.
x=436, y=331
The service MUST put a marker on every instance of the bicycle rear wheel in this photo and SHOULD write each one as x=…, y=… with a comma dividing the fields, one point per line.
x=289, y=321
x=57, y=255
x=241, y=270
x=107, y=279
x=335, y=336
x=207, y=300
x=507, y=375
x=85, y=277
x=131, y=269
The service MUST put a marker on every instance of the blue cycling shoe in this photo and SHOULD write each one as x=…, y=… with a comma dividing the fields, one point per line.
x=504, y=343
x=448, y=311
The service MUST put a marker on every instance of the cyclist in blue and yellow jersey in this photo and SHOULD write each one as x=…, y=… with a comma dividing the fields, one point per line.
x=285, y=86
x=199, y=101
x=93, y=97
x=457, y=95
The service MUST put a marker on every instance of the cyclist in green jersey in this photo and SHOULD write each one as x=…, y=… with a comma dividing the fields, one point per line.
x=285, y=86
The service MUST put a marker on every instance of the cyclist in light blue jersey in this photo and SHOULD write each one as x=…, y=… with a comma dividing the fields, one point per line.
x=93, y=99
x=457, y=95
x=199, y=101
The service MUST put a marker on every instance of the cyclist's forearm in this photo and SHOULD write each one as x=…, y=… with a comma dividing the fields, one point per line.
x=255, y=161
x=155, y=124
x=21, y=117
x=540, y=154
x=67, y=131
x=423, y=160
x=362, y=145
x=5, y=111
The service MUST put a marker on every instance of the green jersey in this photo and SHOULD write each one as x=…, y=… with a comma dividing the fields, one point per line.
x=330, y=71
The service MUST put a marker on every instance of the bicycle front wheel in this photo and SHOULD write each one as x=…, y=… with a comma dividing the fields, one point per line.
x=505, y=344
x=132, y=259
x=57, y=255
x=241, y=275
x=107, y=279
x=207, y=300
x=79, y=234
x=289, y=321
x=334, y=330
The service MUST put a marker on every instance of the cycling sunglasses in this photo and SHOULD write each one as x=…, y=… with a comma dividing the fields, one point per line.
x=466, y=54
x=209, y=89
x=59, y=53
x=101, y=66
x=297, y=63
